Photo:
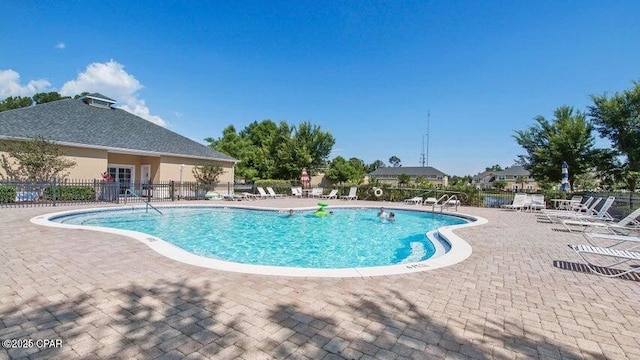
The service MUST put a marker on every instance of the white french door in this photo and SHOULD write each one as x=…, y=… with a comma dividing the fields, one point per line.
x=123, y=174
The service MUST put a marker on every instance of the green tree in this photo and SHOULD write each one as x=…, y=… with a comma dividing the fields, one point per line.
x=394, y=161
x=270, y=151
x=41, y=98
x=617, y=118
x=499, y=184
x=207, y=175
x=342, y=171
x=521, y=180
x=568, y=138
x=15, y=102
x=404, y=179
x=375, y=165
x=495, y=167
x=35, y=160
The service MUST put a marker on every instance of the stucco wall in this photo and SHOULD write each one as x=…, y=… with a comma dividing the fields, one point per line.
x=171, y=167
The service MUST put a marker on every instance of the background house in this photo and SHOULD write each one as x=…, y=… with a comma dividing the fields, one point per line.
x=99, y=138
x=512, y=177
x=389, y=175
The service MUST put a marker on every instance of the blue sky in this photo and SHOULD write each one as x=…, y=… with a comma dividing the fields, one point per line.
x=366, y=71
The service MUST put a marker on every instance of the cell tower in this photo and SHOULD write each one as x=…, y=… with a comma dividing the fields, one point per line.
x=424, y=157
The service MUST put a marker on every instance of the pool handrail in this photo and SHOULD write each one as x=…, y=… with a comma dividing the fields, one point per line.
x=146, y=201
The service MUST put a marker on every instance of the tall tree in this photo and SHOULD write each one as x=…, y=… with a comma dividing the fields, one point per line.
x=394, y=161
x=35, y=160
x=15, y=102
x=270, y=151
x=375, y=165
x=41, y=98
x=495, y=167
x=568, y=137
x=343, y=171
x=617, y=118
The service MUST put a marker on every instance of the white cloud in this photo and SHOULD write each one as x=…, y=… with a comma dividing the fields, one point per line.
x=61, y=45
x=111, y=80
x=10, y=85
x=178, y=114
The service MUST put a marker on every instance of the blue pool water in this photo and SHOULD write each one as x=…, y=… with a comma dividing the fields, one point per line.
x=346, y=239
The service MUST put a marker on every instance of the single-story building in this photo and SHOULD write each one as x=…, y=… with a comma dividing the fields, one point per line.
x=516, y=179
x=101, y=138
x=389, y=175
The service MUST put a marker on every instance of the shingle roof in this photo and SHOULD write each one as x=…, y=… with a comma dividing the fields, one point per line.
x=409, y=170
x=73, y=121
x=514, y=171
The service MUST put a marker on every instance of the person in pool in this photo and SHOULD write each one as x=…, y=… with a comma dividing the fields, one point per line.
x=290, y=212
x=392, y=216
x=382, y=214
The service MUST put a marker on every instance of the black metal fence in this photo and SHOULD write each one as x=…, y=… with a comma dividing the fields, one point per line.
x=54, y=193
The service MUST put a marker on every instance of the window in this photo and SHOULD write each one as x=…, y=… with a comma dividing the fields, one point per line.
x=123, y=174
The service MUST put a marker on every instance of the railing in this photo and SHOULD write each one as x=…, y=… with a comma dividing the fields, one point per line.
x=146, y=201
x=446, y=201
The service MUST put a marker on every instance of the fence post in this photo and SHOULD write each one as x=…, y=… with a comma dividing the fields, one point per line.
x=172, y=190
x=53, y=191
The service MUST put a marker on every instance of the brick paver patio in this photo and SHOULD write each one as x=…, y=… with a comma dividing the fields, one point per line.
x=522, y=294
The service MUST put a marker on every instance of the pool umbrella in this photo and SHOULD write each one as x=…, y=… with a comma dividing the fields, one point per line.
x=565, y=177
x=304, y=178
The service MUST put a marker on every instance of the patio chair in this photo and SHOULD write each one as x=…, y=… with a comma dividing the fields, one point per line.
x=429, y=201
x=576, y=206
x=316, y=192
x=519, y=201
x=414, y=200
x=273, y=193
x=296, y=191
x=537, y=202
x=590, y=210
x=262, y=194
x=602, y=214
x=627, y=224
x=620, y=256
x=632, y=242
x=332, y=195
x=353, y=194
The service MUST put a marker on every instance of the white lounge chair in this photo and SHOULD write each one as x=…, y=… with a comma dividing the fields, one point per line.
x=273, y=193
x=537, y=202
x=632, y=242
x=296, y=191
x=620, y=256
x=519, y=201
x=586, y=208
x=602, y=214
x=332, y=195
x=555, y=215
x=429, y=201
x=414, y=200
x=626, y=225
x=316, y=192
x=263, y=194
x=353, y=194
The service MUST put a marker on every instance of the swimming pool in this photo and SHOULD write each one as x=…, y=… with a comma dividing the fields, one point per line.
x=351, y=239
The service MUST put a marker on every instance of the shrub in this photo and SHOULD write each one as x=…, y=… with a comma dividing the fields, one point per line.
x=71, y=193
x=7, y=194
x=272, y=182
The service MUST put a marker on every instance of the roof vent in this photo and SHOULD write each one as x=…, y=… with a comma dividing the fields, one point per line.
x=98, y=100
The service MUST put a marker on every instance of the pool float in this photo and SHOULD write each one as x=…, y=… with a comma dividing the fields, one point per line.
x=322, y=211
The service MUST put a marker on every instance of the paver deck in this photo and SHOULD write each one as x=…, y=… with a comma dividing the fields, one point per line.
x=522, y=294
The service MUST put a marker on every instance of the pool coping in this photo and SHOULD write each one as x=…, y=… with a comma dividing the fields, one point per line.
x=460, y=249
